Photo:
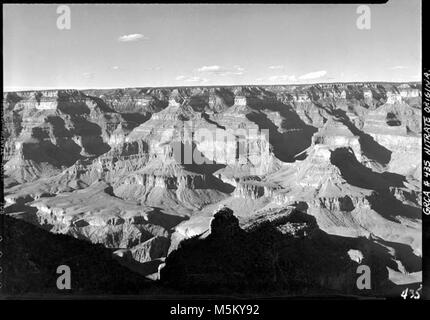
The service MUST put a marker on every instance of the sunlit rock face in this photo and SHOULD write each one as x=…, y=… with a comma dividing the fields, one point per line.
x=51, y=130
x=139, y=170
x=396, y=127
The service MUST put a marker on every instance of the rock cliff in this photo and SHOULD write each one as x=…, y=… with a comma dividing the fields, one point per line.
x=139, y=170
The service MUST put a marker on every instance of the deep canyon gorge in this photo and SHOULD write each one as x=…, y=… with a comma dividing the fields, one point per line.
x=307, y=183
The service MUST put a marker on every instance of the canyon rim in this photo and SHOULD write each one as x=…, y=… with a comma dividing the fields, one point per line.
x=179, y=157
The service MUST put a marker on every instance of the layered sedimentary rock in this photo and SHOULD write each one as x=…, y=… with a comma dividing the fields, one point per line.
x=50, y=131
x=397, y=128
x=140, y=170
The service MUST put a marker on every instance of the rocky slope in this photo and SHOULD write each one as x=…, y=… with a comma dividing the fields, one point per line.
x=34, y=255
x=279, y=252
x=139, y=170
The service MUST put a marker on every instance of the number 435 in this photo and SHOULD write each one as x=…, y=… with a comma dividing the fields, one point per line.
x=413, y=294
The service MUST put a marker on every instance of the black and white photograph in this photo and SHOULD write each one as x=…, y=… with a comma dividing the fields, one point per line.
x=169, y=151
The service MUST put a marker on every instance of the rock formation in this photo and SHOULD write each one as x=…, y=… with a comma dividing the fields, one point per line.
x=283, y=252
x=139, y=170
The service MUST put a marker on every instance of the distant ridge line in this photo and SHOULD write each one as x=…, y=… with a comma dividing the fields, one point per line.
x=223, y=86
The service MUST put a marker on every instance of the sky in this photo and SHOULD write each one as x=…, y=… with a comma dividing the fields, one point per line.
x=116, y=46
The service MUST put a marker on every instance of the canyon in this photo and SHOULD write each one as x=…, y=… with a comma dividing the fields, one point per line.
x=323, y=172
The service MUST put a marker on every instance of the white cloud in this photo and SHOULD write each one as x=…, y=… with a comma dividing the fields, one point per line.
x=115, y=67
x=283, y=77
x=213, y=68
x=288, y=78
x=222, y=71
x=231, y=73
x=277, y=67
x=88, y=75
x=196, y=79
x=191, y=79
x=132, y=37
x=313, y=75
x=398, y=68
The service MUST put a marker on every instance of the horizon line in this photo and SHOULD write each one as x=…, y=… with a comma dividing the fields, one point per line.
x=7, y=90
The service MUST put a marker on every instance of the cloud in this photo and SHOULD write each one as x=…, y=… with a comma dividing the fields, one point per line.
x=132, y=37
x=191, y=79
x=222, y=71
x=213, y=68
x=277, y=67
x=398, y=68
x=196, y=79
x=289, y=78
x=313, y=75
x=88, y=75
x=115, y=67
x=283, y=77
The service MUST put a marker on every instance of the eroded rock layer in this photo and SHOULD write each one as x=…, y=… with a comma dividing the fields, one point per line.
x=140, y=170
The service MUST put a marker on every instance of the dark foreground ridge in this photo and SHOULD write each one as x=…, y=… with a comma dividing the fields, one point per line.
x=289, y=254
x=105, y=166
x=34, y=254
x=285, y=255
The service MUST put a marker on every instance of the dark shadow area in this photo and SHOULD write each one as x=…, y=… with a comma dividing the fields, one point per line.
x=405, y=254
x=34, y=254
x=20, y=207
x=135, y=119
x=144, y=268
x=295, y=135
x=204, y=167
x=94, y=145
x=91, y=135
x=198, y=103
x=206, y=117
x=66, y=153
x=82, y=126
x=389, y=207
x=167, y=221
x=392, y=120
x=369, y=146
x=360, y=176
x=73, y=108
x=58, y=126
x=12, y=98
x=289, y=255
x=74, y=102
